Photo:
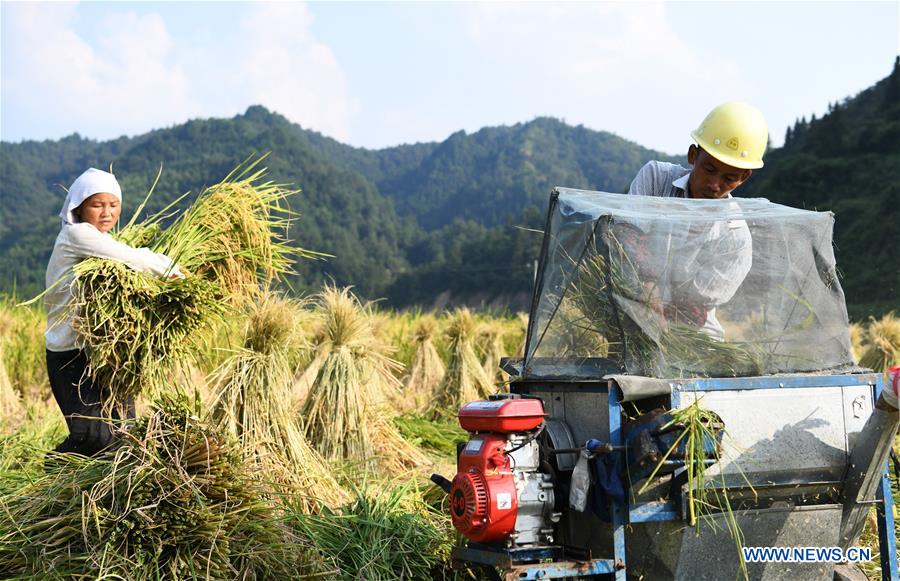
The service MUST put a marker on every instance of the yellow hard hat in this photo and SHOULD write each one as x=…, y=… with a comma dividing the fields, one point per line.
x=735, y=133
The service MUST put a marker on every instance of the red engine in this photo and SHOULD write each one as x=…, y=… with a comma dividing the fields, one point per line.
x=483, y=494
x=487, y=493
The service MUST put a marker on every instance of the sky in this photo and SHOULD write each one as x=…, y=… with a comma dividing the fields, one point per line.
x=377, y=74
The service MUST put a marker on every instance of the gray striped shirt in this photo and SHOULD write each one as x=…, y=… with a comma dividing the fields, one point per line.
x=658, y=178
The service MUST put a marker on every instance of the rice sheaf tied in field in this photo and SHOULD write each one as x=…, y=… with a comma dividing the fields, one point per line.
x=251, y=404
x=349, y=409
x=465, y=379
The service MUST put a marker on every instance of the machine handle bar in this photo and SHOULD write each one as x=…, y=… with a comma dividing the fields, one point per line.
x=604, y=449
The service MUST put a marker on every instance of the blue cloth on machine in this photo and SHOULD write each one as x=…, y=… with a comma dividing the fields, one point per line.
x=606, y=470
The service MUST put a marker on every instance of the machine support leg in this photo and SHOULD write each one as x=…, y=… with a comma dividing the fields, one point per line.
x=865, y=474
x=887, y=533
x=619, y=508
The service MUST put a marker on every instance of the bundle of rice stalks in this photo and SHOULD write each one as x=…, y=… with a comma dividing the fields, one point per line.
x=706, y=495
x=404, y=335
x=382, y=325
x=316, y=347
x=579, y=339
x=491, y=336
x=394, y=454
x=171, y=502
x=303, y=380
x=465, y=379
x=252, y=404
x=389, y=535
x=347, y=412
x=857, y=336
x=881, y=348
x=138, y=326
x=235, y=233
x=333, y=413
x=24, y=355
x=522, y=319
x=11, y=410
x=687, y=349
x=657, y=348
x=427, y=369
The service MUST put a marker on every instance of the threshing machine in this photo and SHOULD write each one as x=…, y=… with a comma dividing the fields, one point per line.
x=643, y=307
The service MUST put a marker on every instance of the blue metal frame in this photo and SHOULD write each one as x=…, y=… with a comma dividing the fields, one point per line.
x=884, y=515
x=564, y=570
x=778, y=381
x=540, y=562
x=887, y=538
x=619, y=509
x=662, y=511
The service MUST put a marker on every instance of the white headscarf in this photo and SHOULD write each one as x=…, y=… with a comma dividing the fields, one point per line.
x=93, y=181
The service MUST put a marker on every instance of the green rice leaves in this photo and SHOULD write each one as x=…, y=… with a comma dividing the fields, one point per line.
x=381, y=536
x=654, y=348
x=172, y=501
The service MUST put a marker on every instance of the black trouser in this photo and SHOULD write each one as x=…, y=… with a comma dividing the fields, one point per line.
x=81, y=404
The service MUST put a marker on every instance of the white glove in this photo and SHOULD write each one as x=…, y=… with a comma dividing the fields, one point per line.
x=581, y=482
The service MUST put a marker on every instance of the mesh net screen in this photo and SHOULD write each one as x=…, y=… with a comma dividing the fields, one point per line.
x=668, y=287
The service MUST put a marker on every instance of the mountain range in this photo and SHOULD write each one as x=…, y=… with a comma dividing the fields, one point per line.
x=436, y=224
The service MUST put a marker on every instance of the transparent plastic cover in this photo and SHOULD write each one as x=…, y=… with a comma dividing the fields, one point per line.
x=669, y=287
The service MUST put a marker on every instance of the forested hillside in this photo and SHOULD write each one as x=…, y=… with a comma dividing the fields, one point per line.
x=848, y=162
x=486, y=176
x=454, y=221
x=397, y=220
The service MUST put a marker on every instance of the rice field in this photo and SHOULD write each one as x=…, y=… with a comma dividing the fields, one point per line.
x=316, y=511
x=319, y=517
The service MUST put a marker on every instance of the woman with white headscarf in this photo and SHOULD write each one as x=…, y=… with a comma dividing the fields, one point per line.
x=91, y=209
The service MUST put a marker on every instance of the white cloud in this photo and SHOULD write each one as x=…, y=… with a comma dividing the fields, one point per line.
x=595, y=60
x=122, y=81
x=126, y=73
x=288, y=70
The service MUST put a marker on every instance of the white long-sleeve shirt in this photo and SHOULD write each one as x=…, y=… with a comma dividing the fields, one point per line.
x=74, y=243
x=713, y=258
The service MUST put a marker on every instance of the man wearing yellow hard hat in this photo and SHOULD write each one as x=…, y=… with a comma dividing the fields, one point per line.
x=729, y=145
x=713, y=257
